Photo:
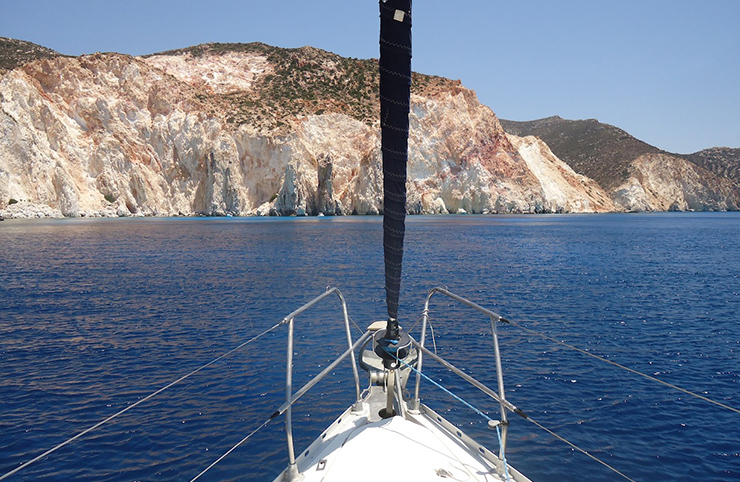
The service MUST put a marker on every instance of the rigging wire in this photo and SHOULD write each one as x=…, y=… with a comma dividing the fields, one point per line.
x=148, y=397
x=649, y=377
x=584, y=452
x=329, y=287
x=526, y=417
x=418, y=320
x=434, y=342
x=356, y=325
x=431, y=328
x=226, y=454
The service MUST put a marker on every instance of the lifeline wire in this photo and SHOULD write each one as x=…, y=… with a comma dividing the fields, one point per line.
x=152, y=395
x=526, y=418
x=688, y=392
x=231, y=449
x=593, y=457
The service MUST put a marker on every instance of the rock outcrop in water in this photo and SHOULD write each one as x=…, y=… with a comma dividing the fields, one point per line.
x=255, y=130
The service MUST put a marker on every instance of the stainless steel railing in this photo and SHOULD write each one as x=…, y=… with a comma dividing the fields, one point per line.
x=291, y=397
x=495, y=318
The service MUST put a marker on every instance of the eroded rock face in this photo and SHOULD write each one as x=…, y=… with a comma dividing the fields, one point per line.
x=661, y=182
x=564, y=190
x=638, y=176
x=114, y=135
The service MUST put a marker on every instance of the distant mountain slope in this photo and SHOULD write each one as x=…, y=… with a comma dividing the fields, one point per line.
x=600, y=151
x=14, y=53
x=640, y=177
x=723, y=161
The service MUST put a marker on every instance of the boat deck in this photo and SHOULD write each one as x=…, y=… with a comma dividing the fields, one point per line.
x=423, y=447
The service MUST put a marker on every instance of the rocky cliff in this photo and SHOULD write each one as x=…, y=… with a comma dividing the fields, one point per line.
x=638, y=176
x=723, y=161
x=248, y=129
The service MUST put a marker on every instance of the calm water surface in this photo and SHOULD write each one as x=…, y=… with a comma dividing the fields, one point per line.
x=97, y=314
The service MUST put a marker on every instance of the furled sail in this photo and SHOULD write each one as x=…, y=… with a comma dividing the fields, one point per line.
x=395, y=92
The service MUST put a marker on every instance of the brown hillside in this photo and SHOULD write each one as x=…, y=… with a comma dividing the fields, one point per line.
x=600, y=151
x=14, y=53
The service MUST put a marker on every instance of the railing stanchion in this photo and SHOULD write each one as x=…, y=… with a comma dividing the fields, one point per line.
x=424, y=320
x=501, y=397
x=349, y=344
x=501, y=392
x=292, y=472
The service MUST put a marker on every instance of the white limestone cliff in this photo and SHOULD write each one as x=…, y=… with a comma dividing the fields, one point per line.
x=565, y=190
x=114, y=135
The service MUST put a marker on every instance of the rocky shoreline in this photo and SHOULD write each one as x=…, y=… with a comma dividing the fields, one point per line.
x=252, y=130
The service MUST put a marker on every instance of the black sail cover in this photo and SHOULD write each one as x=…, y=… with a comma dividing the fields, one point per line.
x=395, y=93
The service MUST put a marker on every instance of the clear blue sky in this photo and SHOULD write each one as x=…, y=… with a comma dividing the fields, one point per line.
x=666, y=71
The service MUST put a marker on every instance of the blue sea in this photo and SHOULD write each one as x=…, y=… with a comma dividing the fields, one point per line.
x=97, y=314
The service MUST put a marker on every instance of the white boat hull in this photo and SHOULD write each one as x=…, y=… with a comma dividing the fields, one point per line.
x=423, y=447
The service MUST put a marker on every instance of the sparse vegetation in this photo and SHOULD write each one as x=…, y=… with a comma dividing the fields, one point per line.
x=305, y=81
x=600, y=151
x=723, y=161
x=14, y=53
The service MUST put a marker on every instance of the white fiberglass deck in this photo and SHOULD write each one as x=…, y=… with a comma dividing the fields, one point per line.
x=360, y=446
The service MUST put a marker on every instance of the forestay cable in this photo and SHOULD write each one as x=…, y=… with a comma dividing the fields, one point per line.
x=394, y=65
x=148, y=397
x=649, y=377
